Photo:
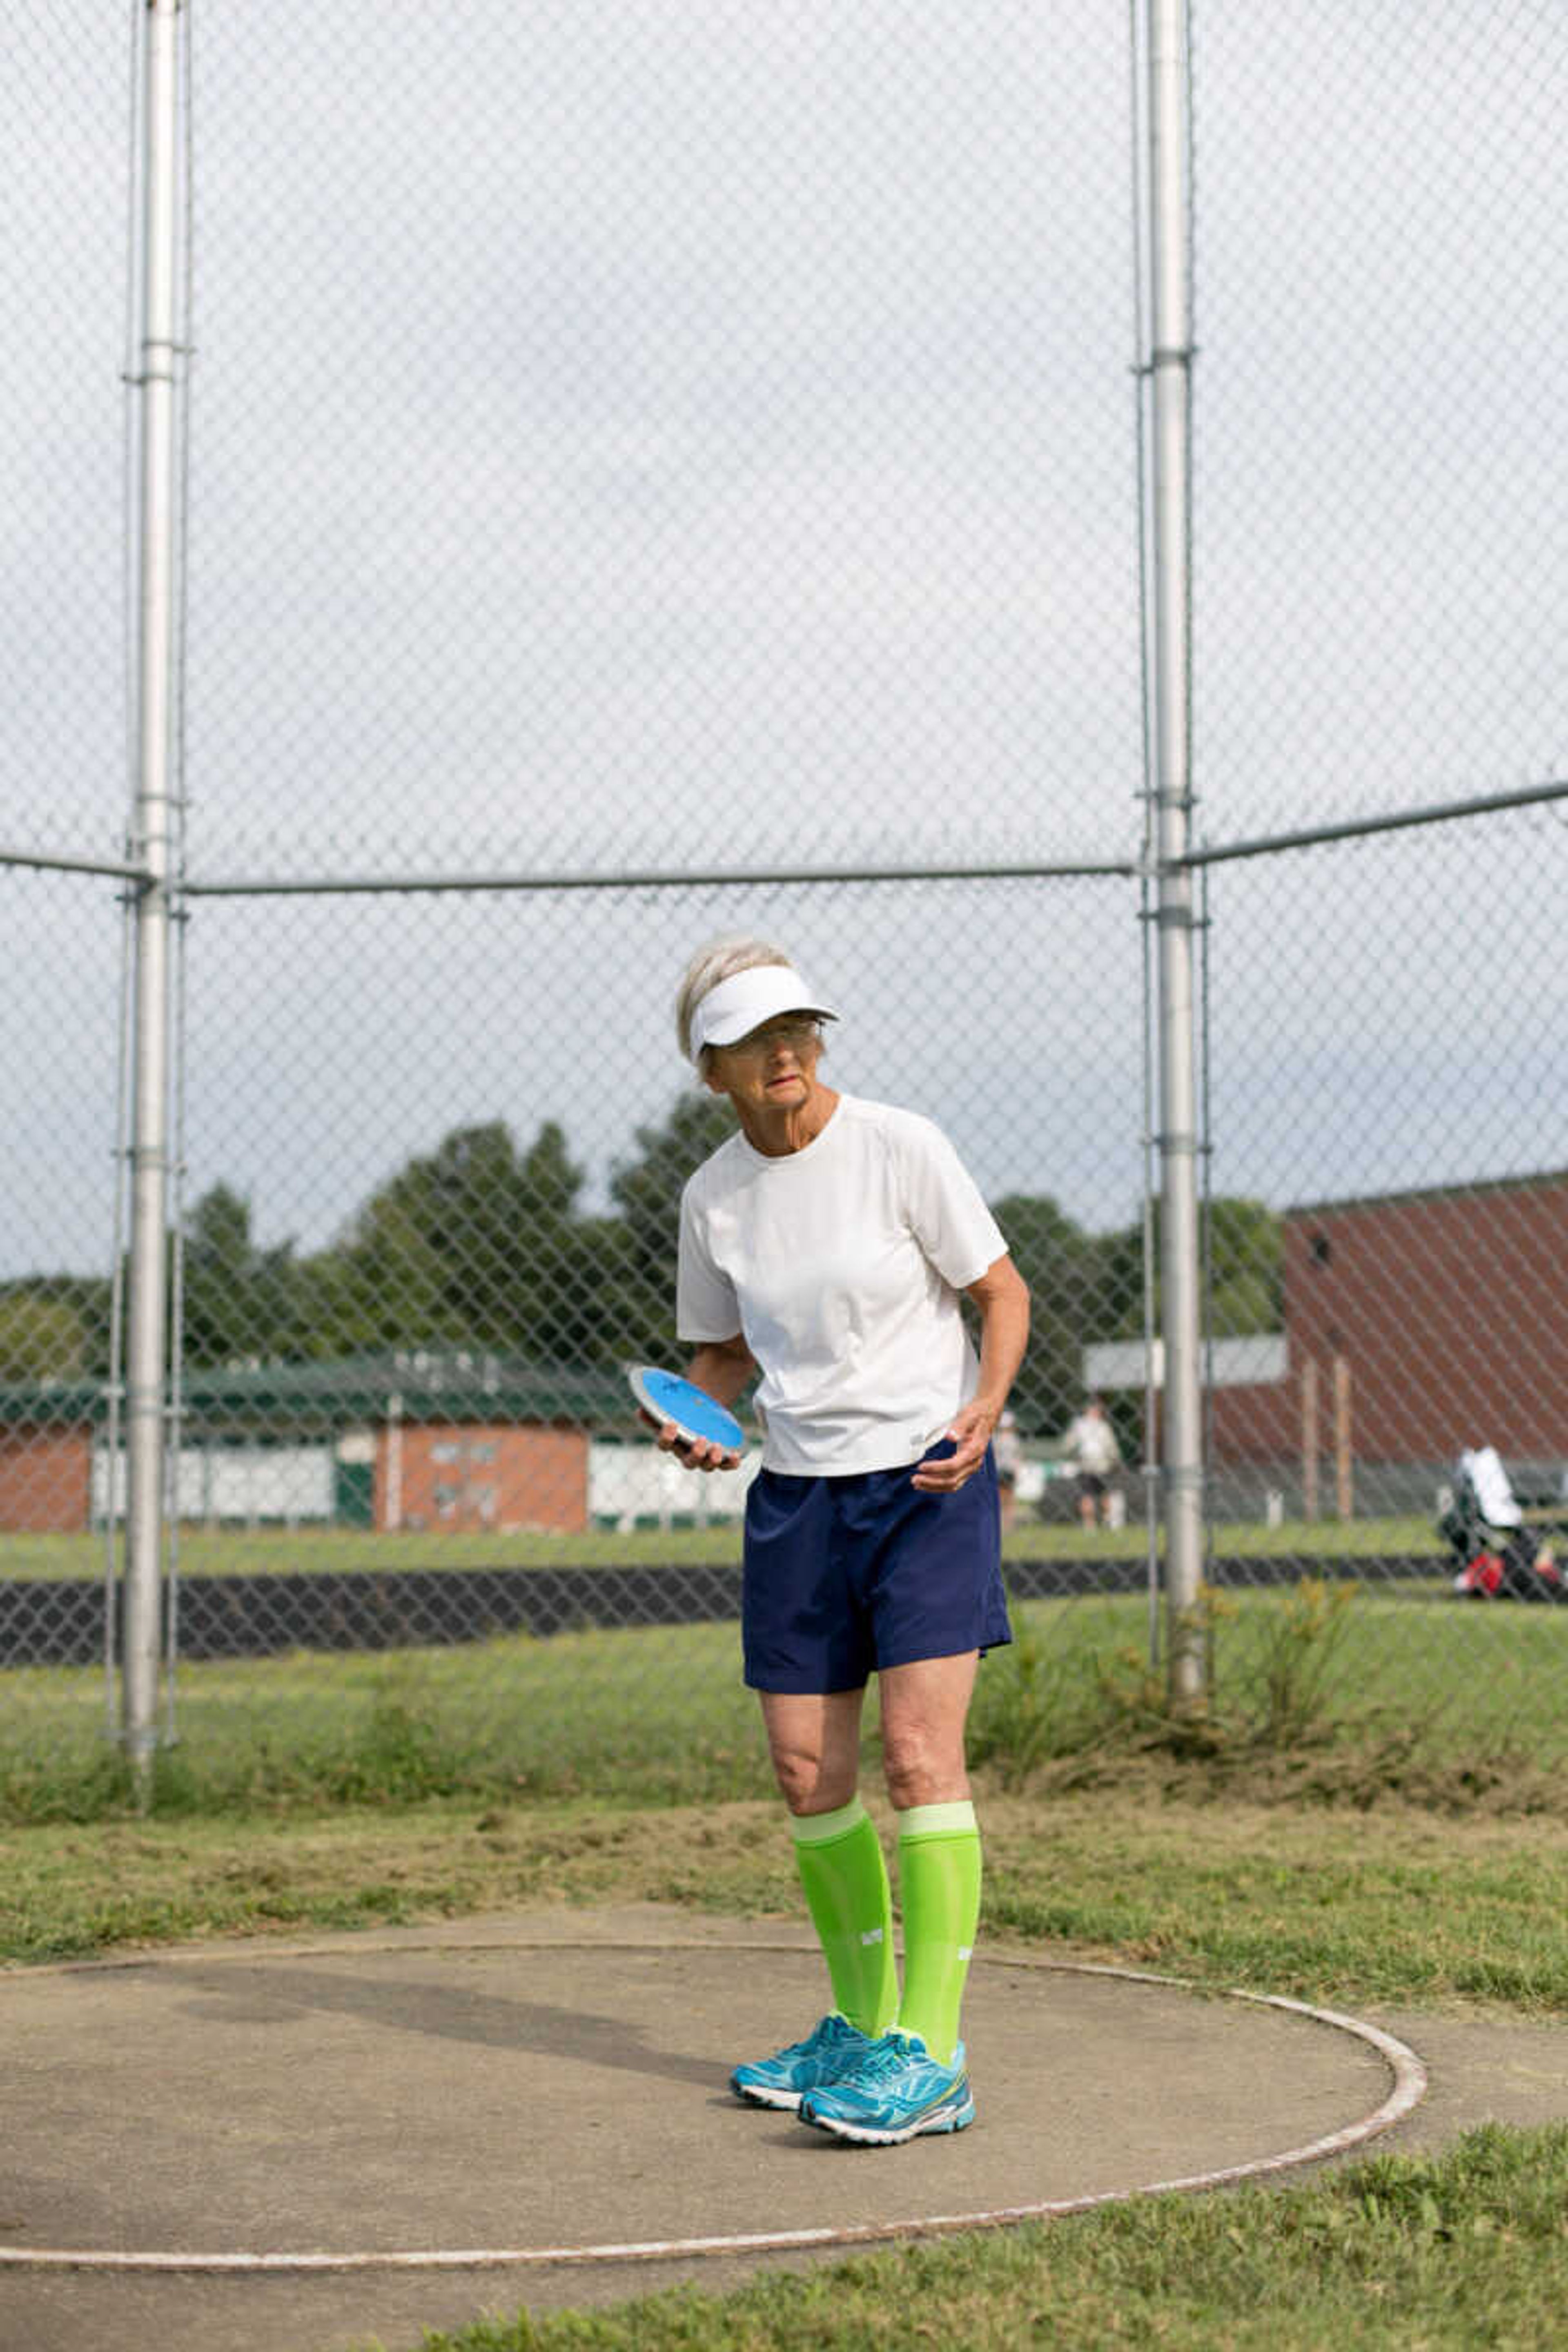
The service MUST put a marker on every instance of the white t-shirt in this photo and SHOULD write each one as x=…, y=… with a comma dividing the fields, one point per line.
x=842, y=1266
x=1091, y=1441
x=1482, y=1466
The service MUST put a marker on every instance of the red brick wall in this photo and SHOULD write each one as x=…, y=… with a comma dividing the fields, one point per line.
x=1258, y=1425
x=483, y=1477
x=1451, y=1310
x=45, y=1479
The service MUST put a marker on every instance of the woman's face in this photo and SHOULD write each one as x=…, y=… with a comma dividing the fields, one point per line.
x=773, y=1069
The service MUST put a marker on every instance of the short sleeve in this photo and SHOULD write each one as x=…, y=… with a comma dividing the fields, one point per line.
x=706, y=1307
x=943, y=1203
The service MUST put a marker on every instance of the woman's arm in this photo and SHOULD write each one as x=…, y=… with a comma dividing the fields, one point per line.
x=1003, y=1297
x=723, y=1367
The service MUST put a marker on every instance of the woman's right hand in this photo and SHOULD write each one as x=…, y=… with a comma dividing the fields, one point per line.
x=696, y=1453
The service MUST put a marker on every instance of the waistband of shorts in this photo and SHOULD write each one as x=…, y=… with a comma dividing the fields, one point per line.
x=936, y=1451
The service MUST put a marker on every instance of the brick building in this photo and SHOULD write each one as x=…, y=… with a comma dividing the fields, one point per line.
x=415, y=1440
x=485, y=1475
x=1422, y=1321
x=46, y=1471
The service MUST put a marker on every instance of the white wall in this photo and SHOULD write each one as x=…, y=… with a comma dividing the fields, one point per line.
x=242, y=1485
x=235, y=1483
x=633, y=1484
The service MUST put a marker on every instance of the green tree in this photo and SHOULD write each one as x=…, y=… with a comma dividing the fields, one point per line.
x=1247, y=1248
x=238, y=1299
x=42, y=1336
x=497, y=1223
x=1245, y=1242
x=552, y=1275
x=1058, y=1260
x=473, y=1244
x=379, y=1287
x=635, y=1315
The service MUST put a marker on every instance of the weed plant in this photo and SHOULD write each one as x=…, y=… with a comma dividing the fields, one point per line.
x=1324, y=1685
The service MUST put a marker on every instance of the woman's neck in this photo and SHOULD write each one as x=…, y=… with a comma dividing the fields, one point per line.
x=776, y=1134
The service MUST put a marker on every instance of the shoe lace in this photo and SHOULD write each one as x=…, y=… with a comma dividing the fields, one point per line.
x=826, y=2030
x=888, y=2056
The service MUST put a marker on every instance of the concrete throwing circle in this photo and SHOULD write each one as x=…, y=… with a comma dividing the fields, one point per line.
x=361, y=2097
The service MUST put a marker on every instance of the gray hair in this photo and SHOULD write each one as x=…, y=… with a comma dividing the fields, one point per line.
x=721, y=960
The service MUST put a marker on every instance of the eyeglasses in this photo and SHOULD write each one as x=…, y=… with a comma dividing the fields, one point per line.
x=796, y=1031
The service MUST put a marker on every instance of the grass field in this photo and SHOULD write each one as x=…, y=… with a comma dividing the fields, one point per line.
x=1372, y=1816
x=276, y=1550
x=1337, y=1685
x=1393, y=2255
x=1388, y=1903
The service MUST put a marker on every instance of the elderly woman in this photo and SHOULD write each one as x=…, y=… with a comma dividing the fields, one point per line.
x=827, y=1246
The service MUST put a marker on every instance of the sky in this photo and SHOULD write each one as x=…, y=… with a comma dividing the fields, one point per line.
x=697, y=436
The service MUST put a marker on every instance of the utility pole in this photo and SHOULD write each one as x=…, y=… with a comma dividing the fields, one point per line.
x=1170, y=360
x=153, y=830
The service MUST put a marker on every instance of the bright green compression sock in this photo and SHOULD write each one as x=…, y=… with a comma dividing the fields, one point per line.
x=845, y=1875
x=939, y=1893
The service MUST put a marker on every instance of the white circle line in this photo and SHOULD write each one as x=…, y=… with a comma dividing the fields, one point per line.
x=1409, y=2087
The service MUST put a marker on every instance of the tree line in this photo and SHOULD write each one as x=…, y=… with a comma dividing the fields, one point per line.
x=483, y=1244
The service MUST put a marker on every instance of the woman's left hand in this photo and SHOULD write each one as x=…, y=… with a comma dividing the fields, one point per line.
x=970, y=1434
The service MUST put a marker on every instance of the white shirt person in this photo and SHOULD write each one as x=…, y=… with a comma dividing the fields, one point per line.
x=827, y=1246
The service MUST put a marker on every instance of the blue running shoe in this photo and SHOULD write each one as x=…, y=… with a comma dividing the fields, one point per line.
x=781, y=2081
x=897, y=2092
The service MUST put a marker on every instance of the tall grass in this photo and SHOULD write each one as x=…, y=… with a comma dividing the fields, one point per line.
x=1303, y=1674
x=316, y=1550
x=655, y=1716
x=1332, y=1677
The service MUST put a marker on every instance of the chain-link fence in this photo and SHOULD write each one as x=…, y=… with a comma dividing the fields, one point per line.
x=1380, y=261
x=697, y=445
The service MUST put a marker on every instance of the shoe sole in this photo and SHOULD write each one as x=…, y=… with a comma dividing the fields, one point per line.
x=752, y=2097
x=955, y=2116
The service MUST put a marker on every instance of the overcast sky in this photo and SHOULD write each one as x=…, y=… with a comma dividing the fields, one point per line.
x=690, y=434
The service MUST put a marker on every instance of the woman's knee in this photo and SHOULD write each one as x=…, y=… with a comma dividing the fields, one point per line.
x=814, y=1747
x=923, y=1770
x=811, y=1781
x=923, y=1712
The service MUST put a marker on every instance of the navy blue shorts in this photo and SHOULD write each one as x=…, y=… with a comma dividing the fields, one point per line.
x=845, y=1575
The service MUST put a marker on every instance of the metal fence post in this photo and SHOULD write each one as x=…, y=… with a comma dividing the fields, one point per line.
x=152, y=833
x=1171, y=370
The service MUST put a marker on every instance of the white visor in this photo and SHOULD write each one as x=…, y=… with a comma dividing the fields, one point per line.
x=737, y=1006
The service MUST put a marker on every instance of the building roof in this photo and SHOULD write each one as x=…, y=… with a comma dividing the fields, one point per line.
x=411, y=1384
x=1113, y=1364
x=1541, y=1180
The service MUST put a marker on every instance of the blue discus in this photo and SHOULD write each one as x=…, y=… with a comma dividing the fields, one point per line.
x=666, y=1396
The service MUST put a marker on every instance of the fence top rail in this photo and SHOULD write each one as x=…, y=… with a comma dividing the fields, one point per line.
x=263, y=886
x=659, y=878
x=56, y=861
x=1393, y=821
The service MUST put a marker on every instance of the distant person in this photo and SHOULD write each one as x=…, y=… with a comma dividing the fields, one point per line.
x=1097, y=1457
x=1494, y=1553
x=1007, y=1447
x=1483, y=1509
x=1480, y=1468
